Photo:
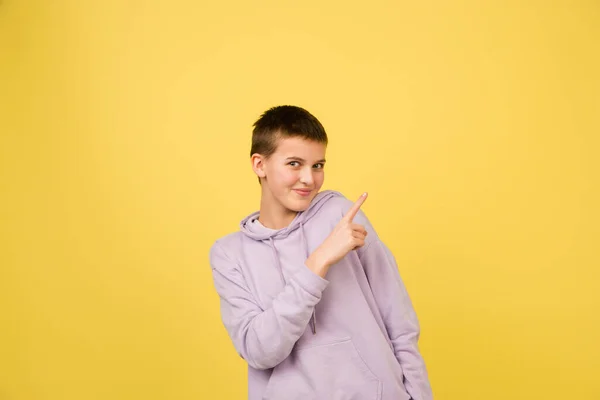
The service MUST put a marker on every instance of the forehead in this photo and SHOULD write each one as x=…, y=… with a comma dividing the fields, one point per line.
x=300, y=147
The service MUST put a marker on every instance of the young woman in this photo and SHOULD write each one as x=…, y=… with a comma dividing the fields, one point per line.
x=310, y=296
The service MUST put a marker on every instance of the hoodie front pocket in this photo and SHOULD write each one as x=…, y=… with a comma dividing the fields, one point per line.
x=333, y=371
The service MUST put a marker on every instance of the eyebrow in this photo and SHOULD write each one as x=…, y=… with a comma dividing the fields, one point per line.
x=303, y=160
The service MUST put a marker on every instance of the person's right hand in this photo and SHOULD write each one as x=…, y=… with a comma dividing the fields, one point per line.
x=346, y=236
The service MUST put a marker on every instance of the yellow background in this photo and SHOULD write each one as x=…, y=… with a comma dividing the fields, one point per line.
x=125, y=132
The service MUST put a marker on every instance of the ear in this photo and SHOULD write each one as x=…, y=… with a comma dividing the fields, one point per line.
x=258, y=165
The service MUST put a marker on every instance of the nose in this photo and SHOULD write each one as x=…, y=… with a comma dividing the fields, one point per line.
x=306, y=176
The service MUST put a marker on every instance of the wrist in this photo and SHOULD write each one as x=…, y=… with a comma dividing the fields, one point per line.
x=317, y=264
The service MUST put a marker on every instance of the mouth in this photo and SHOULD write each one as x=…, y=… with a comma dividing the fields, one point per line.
x=303, y=192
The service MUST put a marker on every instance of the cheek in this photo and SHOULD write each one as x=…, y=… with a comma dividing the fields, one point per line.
x=318, y=179
x=290, y=178
x=286, y=177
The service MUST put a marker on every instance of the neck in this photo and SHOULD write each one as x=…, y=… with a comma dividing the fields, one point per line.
x=272, y=214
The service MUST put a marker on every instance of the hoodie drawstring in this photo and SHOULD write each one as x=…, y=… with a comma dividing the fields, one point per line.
x=314, y=313
x=313, y=320
x=277, y=262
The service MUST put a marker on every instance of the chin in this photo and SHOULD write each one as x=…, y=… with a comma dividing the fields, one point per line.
x=298, y=205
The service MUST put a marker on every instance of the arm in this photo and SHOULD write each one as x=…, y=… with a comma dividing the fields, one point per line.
x=396, y=309
x=264, y=338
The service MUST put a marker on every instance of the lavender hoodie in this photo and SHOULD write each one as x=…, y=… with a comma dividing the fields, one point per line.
x=352, y=335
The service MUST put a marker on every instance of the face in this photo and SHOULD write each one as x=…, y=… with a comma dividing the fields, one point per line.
x=293, y=175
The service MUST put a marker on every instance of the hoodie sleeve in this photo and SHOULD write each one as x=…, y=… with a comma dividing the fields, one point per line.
x=396, y=309
x=264, y=338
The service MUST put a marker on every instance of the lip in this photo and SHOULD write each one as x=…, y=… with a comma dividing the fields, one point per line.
x=303, y=192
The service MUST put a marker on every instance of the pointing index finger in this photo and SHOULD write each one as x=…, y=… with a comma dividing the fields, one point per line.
x=355, y=207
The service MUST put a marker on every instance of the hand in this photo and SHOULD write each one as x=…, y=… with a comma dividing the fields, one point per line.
x=346, y=236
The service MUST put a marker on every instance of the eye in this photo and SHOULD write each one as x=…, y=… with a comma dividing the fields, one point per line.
x=319, y=165
x=294, y=163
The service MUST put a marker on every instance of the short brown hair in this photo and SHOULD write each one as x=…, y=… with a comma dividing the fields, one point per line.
x=284, y=121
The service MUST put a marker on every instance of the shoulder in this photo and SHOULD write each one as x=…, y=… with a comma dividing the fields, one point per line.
x=225, y=248
x=340, y=205
x=337, y=205
x=231, y=239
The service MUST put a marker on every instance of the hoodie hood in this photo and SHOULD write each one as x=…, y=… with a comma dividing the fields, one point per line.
x=259, y=232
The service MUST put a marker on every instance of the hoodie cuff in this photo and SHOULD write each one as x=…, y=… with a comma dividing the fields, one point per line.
x=310, y=281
